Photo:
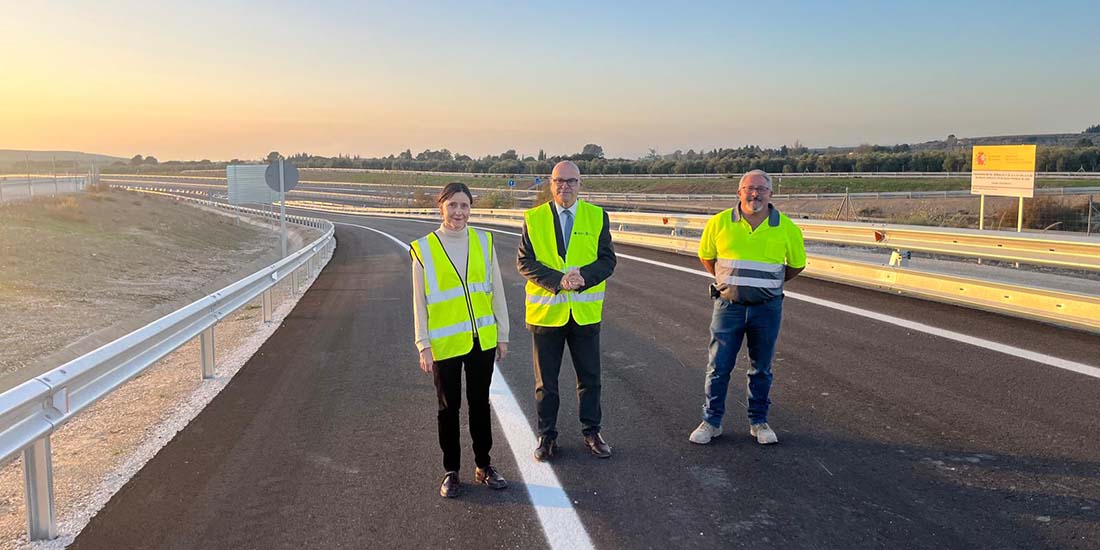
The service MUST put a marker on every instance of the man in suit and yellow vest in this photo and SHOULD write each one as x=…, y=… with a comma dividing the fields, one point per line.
x=565, y=253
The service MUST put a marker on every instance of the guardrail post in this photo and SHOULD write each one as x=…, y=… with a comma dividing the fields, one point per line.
x=267, y=305
x=900, y=258
x=38, y=475
x=206, y=350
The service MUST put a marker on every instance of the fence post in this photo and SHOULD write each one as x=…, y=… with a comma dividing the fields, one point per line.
x=267, y=305
x=206, y=350
x=38, y=476
x=1088, y=229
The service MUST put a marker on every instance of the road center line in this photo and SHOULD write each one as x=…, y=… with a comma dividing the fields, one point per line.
x=560, y=522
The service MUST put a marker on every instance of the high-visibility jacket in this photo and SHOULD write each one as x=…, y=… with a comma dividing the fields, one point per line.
x=752, y=262
x=458, y=312
x=545, y=308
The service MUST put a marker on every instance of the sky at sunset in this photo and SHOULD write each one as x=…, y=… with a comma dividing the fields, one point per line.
x=193, y=80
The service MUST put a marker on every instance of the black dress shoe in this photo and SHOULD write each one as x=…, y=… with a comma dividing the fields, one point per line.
x=490, y=477
x=596, y=444
x=450, y=487
x=546, y=449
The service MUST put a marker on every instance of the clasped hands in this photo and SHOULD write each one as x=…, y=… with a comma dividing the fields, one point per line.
x=572, y=279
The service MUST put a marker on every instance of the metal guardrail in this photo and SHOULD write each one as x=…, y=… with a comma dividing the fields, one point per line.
x=1079, y=311
x=729, y=198
x=675, y=233
x=32, y=411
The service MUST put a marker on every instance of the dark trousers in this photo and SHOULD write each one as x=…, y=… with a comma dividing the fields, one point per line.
x=448, y=388
x=584, y=348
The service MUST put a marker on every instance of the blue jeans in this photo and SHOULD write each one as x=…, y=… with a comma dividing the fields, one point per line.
x=732, y=323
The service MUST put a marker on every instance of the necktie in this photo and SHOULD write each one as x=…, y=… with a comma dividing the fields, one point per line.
x=567, y=226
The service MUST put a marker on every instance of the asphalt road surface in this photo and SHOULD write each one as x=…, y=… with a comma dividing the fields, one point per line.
x=890, y=436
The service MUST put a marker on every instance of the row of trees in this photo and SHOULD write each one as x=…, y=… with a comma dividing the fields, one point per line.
x=1084, y=156
x=717, y=161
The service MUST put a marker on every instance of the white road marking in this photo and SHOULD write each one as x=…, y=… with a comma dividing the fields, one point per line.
x=560, y=522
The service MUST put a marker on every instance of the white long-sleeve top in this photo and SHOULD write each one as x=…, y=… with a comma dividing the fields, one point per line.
x=457, y=245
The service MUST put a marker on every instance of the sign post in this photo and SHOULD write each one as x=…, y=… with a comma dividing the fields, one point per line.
x=1003, y=170
x=282, y=205
x=282, y=178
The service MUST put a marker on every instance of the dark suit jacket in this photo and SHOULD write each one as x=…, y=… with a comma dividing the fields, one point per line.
x=549, y=278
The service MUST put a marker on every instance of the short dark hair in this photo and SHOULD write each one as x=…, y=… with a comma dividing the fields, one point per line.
x=450, y=189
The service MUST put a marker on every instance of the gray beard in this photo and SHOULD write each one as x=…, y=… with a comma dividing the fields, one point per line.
x=752, y=210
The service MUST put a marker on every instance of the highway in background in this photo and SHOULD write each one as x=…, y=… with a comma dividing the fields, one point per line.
x=902, y=424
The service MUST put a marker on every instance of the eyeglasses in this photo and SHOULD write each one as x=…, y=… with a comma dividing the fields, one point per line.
x=571, y=182
x=759, y=190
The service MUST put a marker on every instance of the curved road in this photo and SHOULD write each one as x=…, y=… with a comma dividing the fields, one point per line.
x=890, y=437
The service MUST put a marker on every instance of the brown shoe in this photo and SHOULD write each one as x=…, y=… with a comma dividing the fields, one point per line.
x=546, y=449
x=596, y=444
x=451, y=486
x=489, y=476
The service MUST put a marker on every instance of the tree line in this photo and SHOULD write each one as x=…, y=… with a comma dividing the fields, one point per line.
x=717, y=161
x=1085, y=156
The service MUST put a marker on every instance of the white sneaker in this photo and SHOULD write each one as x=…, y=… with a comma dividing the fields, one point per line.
x=763, y=433
x=704, y=433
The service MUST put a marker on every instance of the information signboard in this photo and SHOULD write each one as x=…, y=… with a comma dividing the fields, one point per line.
x=1003, y=170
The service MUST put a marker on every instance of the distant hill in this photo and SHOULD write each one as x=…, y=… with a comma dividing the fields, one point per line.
x=1046, y=140
x=14, y=158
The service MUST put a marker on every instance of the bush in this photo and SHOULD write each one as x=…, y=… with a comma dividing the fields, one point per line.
x=1045, y=213
x=496, y=199
x=422, y=199
x=543, y=196
x=65, y=209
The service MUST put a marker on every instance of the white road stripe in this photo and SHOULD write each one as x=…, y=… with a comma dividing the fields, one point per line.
x=1081, y=368
x=560, y=522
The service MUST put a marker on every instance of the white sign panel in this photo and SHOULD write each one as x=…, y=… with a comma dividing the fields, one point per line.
x=1003, y=184
x=247, y=184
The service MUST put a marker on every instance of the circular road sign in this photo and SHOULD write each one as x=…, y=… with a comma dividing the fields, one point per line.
x=511, y=183
x=290, y=176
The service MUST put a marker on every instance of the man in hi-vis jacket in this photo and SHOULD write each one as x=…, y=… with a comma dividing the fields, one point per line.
x=565, y=253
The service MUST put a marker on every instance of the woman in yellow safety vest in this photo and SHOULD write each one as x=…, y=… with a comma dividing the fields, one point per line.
x=461, y=323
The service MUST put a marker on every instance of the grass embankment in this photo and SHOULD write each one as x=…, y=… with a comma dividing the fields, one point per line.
x=74, y=264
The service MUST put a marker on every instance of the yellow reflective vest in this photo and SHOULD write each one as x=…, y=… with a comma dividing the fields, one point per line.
x=457, y=311
x=752, y=263
x=545, y=308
